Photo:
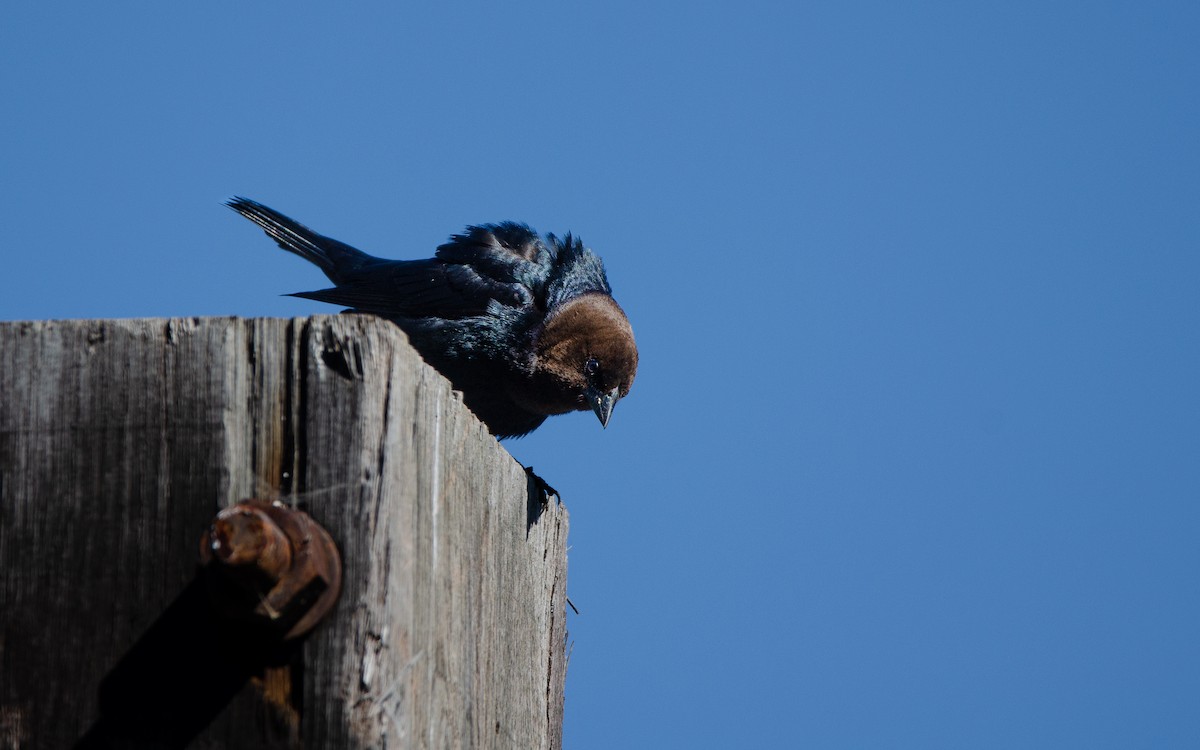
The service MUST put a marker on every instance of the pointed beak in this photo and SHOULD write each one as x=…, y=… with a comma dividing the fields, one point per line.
x=603, y=403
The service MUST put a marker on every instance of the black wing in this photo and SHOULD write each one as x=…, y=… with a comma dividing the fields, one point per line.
x=502, y=262
x=421, y=288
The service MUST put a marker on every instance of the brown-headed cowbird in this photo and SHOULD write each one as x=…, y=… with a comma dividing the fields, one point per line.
x=525, y=326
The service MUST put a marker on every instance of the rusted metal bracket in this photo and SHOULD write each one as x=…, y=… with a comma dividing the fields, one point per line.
x=272, y=566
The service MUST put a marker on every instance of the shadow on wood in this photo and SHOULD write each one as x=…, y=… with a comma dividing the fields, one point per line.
x=182, y=673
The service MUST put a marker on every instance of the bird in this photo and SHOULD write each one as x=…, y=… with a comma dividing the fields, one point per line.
x=523, y=325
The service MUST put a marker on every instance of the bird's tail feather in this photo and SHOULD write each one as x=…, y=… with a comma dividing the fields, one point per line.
x=333, y=257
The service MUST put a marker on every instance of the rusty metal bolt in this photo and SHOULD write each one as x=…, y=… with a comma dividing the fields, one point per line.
x=271, y=565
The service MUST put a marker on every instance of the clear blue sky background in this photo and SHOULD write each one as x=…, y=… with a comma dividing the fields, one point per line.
x=911, y=461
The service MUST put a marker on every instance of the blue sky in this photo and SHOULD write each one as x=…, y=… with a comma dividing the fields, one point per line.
x=911, y=460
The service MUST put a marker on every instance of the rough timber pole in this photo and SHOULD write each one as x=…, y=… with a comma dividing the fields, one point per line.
x=119, y=440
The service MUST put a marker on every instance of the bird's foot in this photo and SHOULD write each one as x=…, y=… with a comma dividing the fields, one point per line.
x=541, y=487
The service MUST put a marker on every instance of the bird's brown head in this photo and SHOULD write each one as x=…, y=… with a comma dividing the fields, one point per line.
x=586, y=357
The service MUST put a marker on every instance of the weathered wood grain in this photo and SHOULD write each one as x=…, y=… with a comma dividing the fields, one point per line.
x=118, y=442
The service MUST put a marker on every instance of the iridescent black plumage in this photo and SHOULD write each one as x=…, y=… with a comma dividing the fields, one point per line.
x=525, y=326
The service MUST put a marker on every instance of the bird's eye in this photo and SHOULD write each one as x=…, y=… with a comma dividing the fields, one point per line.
x=591, y=367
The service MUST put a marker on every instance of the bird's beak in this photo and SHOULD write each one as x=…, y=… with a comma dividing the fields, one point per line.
x=602, y=403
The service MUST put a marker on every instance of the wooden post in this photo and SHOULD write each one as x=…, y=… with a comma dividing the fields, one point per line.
x=120, y=439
